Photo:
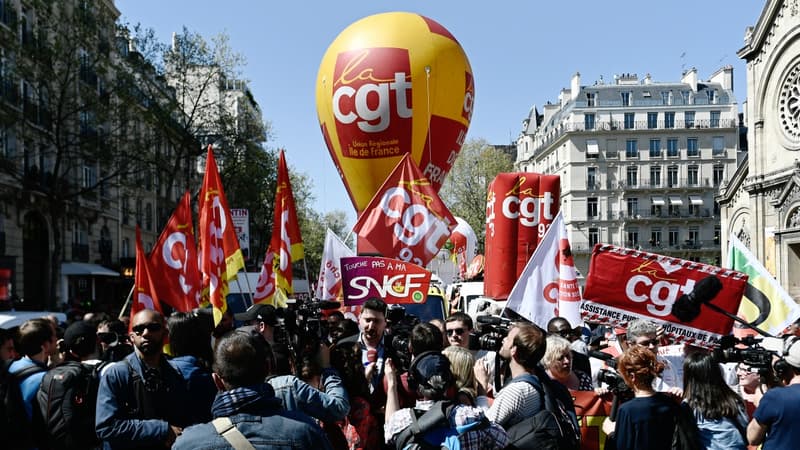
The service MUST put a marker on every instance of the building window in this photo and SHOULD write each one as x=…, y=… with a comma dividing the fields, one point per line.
x=125, y=251
x=590, y=99
x=712, y=96
x=719, y=175
x=717, y=234
x=148, y=217
x=655, y=237
x=631, y=148
x=139, y=212
x=669, y=119
x=594, y=237
x=611, y=149
x=633, y=206
x=656, y=206
x=718, y=146
x=629, y=124
x=626, y=98
x=89, y=177
x=672, y=147
x=591, y=207
x=592, y=149
x=591, y=178
x=655, y=176
x=672, y=176
x=694, y=236
x=688, y=119
x=714, y=122
x=588, y=121
x=692, y=176
x=685, y=96
x=674, y=236
x=655, y=148
x=652, y=120
x=666, y=98
x=632, y=237
x=632, y=176
x=126, y=209
x=691, y=147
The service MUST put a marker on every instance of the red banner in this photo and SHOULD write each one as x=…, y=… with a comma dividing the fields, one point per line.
x=592, y=410
x=392, y=280
x=625, y=284
x=173, y=261
x=406, y=219
x=519, y=208
x=144, y=294
x=286, y=241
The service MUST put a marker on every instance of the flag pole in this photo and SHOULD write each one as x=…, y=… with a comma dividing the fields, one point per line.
x=247, y=281
x=308, y=280
x=127, y=300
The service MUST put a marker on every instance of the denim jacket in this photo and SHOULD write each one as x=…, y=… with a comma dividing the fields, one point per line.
x=263, y=423
x=119, y=421
x=329, y=406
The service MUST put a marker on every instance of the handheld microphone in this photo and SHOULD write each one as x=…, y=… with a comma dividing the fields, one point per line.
x=687, y=307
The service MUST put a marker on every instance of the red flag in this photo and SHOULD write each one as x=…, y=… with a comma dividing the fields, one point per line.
x=220, y=257
x=144, y=294
x=265, y=288
x=286, y=240
x=173, y=261
x=405, y=219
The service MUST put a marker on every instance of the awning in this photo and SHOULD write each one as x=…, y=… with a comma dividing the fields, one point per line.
x=675, y=200
x=86, y=269
x=658, y=201
x=592, y=148
x=695, y=200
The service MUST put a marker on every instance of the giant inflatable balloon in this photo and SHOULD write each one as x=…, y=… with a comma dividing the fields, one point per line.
x=391, y=84
x=464, y=245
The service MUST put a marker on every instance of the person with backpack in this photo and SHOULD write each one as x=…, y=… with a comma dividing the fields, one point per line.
x=246, y=413
x=38, y=342
x=140, y=400
x=436, y=421
x=67, y=396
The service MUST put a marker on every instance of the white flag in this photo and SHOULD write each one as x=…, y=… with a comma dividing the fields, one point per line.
x=329, y=285
x=548, y=287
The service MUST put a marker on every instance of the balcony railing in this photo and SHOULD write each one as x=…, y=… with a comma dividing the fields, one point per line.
x=658, y=247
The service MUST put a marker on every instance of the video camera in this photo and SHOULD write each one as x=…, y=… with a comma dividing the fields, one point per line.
x=400, y=325
x=753, y=354
x=493, y=330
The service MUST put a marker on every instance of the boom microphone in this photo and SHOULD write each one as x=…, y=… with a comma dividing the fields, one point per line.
x=687, y=307
x=491, y=320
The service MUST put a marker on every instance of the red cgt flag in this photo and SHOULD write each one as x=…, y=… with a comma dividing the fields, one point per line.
x=220, y=256
x=286, y=240
x=173, y=261
x=144, y=294
x=265, y=288
x=405, y=219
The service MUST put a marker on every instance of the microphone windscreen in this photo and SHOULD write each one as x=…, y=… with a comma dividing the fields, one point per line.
x=490, y=320
x=685, y=309
x=706, y=289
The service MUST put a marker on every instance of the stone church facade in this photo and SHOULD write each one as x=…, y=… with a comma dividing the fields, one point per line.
x=761, y=203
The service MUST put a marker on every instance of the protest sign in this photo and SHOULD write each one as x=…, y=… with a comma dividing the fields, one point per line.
x=392, y=280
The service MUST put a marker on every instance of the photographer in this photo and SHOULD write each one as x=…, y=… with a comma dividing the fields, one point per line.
x=776, y=421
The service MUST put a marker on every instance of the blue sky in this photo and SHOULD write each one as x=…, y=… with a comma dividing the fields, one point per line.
x=522, y=54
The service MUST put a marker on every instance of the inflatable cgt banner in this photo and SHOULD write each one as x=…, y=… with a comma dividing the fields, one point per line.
x=625, y=284
x=519, y=208
x=393, y=84
x=392, y=280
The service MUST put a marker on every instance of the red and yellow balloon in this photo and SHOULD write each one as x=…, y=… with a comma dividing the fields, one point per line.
x=391, y=84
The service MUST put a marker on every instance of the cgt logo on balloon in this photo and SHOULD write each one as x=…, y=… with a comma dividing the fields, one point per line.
x=406, y=219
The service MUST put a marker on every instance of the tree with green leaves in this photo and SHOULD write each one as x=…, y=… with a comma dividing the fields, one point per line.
x=465, y=189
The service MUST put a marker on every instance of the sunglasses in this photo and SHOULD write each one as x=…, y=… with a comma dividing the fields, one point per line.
x=107, y=338
x=151, y=327
x=458, y=331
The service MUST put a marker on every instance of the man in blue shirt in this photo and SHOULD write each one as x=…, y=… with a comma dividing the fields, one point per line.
x=776, y=421
x=37, y=343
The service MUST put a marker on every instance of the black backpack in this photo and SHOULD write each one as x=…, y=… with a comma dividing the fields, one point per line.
x=67, y=400
x=15, y=427
x=553, y=427
x=432, y=425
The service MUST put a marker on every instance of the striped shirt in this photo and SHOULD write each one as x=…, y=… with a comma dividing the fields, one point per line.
x=515, y=402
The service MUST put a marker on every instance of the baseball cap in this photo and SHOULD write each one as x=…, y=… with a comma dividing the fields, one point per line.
x=260, y=312
x=430, y=365
x=78, y=333
x=793, y=355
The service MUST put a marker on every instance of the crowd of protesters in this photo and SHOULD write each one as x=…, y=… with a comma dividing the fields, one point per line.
x=255, y=381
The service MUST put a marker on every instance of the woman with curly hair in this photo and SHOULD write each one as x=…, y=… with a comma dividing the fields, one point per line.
x=360, y=428
x=648, y=419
